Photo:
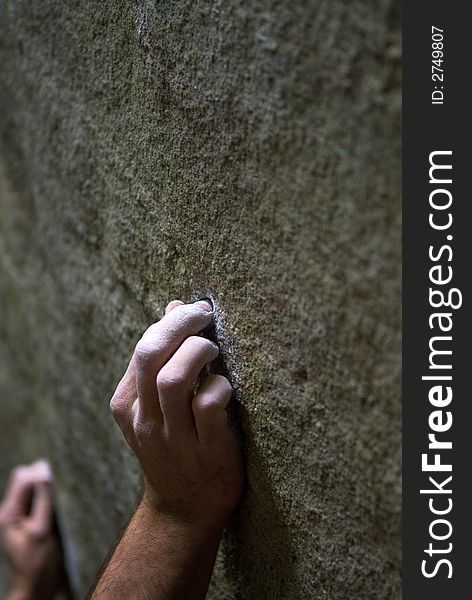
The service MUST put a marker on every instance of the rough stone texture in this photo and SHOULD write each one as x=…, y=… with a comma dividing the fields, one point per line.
x=152, y=150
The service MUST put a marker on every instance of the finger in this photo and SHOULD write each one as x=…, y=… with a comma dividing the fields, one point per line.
x=158, y=344
x=41, y=517
x=176, y=381
x=209, y=408
x=173, y=304
x=19, y=493
x=124, y=397
x=122, y=401
x=126, y=392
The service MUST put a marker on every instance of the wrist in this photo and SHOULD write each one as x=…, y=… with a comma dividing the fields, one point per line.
x=193, y=528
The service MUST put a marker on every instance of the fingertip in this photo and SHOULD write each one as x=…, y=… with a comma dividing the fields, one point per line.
x=42, y=469
x=221, y=383
x=205, y=304
x=215, y=391
x=209, y=408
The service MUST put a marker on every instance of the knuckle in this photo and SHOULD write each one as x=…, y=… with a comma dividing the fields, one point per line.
x=170, y=379
x=144, y=352
x=118, y=408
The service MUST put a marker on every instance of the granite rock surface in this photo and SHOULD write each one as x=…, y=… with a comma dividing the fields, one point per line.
x=247, y=151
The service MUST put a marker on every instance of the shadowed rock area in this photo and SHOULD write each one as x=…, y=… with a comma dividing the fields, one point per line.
x=248, y=151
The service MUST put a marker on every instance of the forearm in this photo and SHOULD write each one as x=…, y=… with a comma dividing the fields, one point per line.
x=160, y=559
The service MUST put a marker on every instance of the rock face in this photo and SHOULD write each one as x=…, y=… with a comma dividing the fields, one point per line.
x=250, y=151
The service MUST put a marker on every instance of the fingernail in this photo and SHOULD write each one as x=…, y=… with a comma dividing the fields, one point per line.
x=205, y=305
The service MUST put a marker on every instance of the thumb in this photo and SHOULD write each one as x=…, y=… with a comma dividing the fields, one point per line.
x=41, y=516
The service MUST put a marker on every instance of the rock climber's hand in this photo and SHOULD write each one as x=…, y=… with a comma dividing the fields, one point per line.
x=190, y=456
x=28, y=536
